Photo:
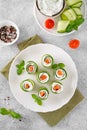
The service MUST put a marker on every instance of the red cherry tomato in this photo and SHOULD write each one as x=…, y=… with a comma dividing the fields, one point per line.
x=49, y=23
x=74, y=43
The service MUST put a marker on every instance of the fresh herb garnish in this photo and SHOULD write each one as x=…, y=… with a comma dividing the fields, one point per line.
x=54, y=66
x=20, y=67
x=74, y=24
x=71, y=26
x=79, y=21
x=60, y=65
x=15, y=115
x=37, y=99
x=4, y=111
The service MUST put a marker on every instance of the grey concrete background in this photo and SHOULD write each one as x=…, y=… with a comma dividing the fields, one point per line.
x=21, y=12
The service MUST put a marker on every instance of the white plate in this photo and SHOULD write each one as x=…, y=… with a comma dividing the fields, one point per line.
x=40, y=18
x=54, y=101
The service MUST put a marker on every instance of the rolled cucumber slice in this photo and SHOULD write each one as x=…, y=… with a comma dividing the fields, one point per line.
x=43, y=93
x=33, y=69
x=62, y=25
x=47, y=60
x=43, y=77
x=77, y=11
x=68, y=14
x=30, y=85
x=73, y=2
x=78, y=5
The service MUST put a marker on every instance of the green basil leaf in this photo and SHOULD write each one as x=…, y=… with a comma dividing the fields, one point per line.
x=15, y=115
x=22, y=63
x=76, y=27
x=4, y=111
x=22, y=67
x=79, y=21
x=18, y=66
x=61, y=65
x=70, y=26
x=74, y=24
x=37, y=99
x=54, y=66
x=19, y=71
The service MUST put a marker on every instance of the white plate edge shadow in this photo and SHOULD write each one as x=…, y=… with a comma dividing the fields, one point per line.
x=44, y=111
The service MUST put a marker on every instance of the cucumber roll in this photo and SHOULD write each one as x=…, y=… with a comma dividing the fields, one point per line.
x=56, y=87
x=43, y=93
x=47, y=60
x=43, y=77
x=60, y=74
x=31, y=67
x=27, y=85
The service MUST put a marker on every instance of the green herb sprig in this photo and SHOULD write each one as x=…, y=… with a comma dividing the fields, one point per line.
x=60, y=65
x=74, y=24
x=4, y=111
x=20, y=67
x=37, y=99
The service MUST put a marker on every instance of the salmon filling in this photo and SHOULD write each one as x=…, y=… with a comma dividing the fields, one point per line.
x=42, y=93
x=56, y=87
x=59, y=72
x=26, y=86
x=47, y=61
x=43, y=77
x=31, y=68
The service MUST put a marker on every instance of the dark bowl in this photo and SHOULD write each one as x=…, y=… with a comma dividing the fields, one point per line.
x=54, y=14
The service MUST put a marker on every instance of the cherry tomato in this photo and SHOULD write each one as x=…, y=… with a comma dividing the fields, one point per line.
x=49, y=23
x=74, y=43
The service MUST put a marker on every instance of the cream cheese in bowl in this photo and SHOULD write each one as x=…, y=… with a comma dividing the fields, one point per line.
x=50, y=7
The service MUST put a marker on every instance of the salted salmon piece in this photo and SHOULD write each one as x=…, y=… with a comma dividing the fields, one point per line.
x=59, y=72
x=27, y=86
x=31, y=68
x=43, y=77
x=42, y=93
x=56, y=87
x=47, y=60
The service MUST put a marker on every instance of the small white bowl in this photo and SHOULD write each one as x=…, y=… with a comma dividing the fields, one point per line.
x=54, y=15
x=9, y=23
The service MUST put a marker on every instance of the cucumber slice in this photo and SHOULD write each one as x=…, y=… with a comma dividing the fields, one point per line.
x=73, y=2
x=62, y=25
x=64, y=17
x=29, y=82
x=68, y=14
x=79, y=16
x=77, y=11
x=78, y=5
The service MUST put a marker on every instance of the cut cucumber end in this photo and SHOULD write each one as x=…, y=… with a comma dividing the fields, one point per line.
x=68, y=14
x=63, y=17
x=62, y=25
